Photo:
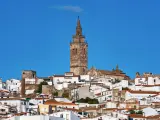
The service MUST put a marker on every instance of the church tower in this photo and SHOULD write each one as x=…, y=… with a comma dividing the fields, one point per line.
x=78, y=52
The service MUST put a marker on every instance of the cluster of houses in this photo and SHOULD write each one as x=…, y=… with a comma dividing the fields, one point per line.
x=99, y=95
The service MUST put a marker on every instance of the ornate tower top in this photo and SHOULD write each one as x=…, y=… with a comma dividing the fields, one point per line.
x=117, y=67
x=78, y=52
x=78, y=37
x=78, y=28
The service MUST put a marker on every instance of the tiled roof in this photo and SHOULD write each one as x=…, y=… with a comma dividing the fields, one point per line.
x=12, y=99
x=149, y=85
x=116, y=109
x=54, y=102
x=143, y=92
x=88, y=108
x=66, y=76
x=116, y=72
x=41, y=98
x=141, y=116
x=71, y=109
x=4, y=91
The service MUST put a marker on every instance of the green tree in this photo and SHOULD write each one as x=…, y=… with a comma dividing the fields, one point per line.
x=139, y=112
x=132, y=112
x=55, y=93
x=39, y=90
x=125, y=88
x=65, y=95
x=88, y=100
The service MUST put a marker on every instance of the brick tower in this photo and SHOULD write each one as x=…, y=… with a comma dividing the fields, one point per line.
x=78, y=52
x=26, y=74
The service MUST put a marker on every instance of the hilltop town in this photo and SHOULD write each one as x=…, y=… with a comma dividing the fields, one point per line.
x=82, y=93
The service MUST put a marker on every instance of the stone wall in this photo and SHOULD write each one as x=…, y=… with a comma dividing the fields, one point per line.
x=47, y=89
x=26, y=74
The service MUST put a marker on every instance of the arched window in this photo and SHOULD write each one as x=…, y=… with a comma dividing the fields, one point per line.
x=83, y=70
x=74, y=51
x=84, y=51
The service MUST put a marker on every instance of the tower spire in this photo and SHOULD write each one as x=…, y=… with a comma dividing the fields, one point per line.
x=117, y=67
x=78, y=28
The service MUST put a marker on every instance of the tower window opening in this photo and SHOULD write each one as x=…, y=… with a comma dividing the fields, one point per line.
x=74, y=51
x=83, y=70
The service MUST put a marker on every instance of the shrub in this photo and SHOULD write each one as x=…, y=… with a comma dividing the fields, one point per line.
x=88, y=100
x=39, y=90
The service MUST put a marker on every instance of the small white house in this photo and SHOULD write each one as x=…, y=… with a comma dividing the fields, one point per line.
x=13, y=85
x=148, y=80
x=19, y=103
x=67, y=115
x=62, y=81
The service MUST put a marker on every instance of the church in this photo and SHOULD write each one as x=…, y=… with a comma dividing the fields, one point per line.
x=79, y=58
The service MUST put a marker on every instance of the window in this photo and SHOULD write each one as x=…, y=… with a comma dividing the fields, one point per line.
x=83, y=70
x=74, y=51
x=84, y=51
x=67, y=116
x=2, y=110
x=61, y=116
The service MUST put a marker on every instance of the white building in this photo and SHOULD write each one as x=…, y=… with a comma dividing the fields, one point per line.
x=145, y=88
x=4, y=93
x=67, y=115
x=1, y=84
x=148, y=79
x=35, y=117
x=33, y=80
x=139, y=94
x=62, y=81
x=19, y=103
x=120, y=85
x=13, y=85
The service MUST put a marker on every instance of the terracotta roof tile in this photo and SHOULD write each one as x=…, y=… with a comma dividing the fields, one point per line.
x=12, y=99
x=143, y=92
x=141, y=116
x=54, y=102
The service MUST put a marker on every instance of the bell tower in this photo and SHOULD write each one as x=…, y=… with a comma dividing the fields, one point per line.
x=78, y=52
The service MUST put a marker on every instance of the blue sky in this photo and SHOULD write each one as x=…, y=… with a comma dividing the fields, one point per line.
x=35, y=34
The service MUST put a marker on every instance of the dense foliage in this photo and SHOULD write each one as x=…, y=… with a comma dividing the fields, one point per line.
x=126, y=88
x=88, y=100
x=139, y=112
x=55, y=93
x=65, y=95
x=116, y=81
x=39, y=90
x=134, y=112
